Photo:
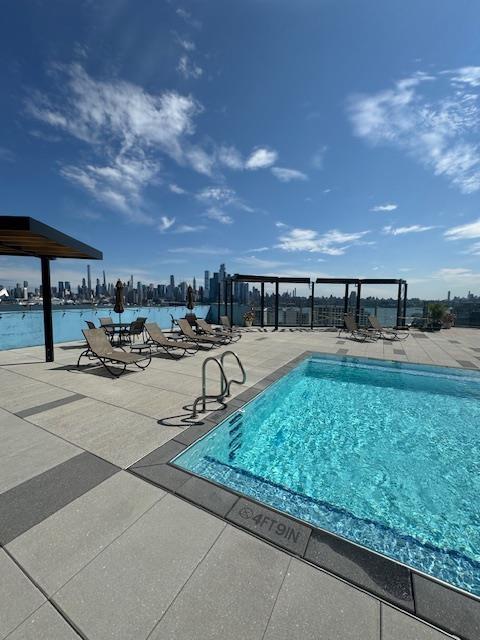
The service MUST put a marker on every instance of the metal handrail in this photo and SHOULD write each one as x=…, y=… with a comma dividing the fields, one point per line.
x=204, y=396
x=239, y=362
x=225, y=384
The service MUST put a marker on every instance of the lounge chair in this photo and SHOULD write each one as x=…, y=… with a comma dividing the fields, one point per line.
x=135, y=329
x=188, y=332
x=225, y=320
x=110, y=331
x=174, y=348
x=99, y=348
x=208, y=330
x=356, y=333
x=385, y=334
x=90, y=324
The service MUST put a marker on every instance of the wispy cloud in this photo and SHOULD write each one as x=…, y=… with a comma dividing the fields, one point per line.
x=174, y=188
x=441, y=132
x=258, y=250
x=399, y=231
x=261, y=158
x=287, y=175
x=204, y=250
x=6, y=155
x=318, y=159
x=166, y=223
x=187, y=17
x=259, y=263
x=230, y=157
x=389, y=206
x=189, y=228
x=457, y=273
x=333, y=242
x=222, y=195
x=218, y=215
x=188, y=68
x=464, y=231
x=124, y=126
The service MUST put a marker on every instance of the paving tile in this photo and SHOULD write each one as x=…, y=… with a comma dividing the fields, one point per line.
x=467, y=364
x=383, y=577
x=57, y=548
x=192, y=434
x=29, y=503
x=342, y=351
x=18, y=596
x=162, y=475
x=45, y=624
x=400, y=626
x=312, y=605
x=399, y=352
x=221, y=600
x=208, y=495
x=125, y=591
x=161, y=455
x=27, y=451
x=270, y=525
x=116, y=434
x=24, y=413
x=447, y=608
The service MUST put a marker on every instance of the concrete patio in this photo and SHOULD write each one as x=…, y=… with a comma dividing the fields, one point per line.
x=89, y=550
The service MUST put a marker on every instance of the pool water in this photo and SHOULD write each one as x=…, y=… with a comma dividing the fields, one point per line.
x=384, y=454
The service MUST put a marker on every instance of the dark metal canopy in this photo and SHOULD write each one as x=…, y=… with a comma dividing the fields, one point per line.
x=359, y=280
x=24, y=236
x=271, y=279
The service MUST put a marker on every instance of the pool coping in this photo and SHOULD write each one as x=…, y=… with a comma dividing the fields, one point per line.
x=428, y=598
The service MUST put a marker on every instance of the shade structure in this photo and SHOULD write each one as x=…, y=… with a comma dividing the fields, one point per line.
x=119, y=308
x=27, y=237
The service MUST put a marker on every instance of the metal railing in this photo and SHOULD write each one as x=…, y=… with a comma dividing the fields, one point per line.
x=225, y=384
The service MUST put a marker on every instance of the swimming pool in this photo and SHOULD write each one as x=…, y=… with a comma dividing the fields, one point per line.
x=384, y=454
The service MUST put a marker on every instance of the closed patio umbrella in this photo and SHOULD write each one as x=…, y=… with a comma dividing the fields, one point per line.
x=190, y=299
x=119, y=308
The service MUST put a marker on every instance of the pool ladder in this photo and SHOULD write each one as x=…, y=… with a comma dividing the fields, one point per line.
x=225, y=384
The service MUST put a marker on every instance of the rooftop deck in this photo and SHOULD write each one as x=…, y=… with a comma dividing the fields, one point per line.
x=91, y=551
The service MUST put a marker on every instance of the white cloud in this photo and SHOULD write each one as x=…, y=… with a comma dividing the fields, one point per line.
x=457, y=273
x=185, y=43
x=205, y=250
x=332, y=242
x=219, y=216
x=258, y=263
x=166, y=223
x=441, y=133
x=280, y=225
x=230, y=157
x=222, y=195
x=398, y=231
x=188, y=68
x=464, y=231
x=318, y=159
x=188, y=228
x=389, y=206
x=258, y=250
x=287, y=175
x=174, y=188
x=6, y=155
x=126, y=127
x=188, y=18
x=261, y=158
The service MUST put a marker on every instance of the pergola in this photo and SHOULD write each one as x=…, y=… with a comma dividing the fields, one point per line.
x=347, y=282
x=27, y=237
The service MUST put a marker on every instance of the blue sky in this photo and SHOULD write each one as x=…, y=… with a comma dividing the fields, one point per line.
x=311, y=137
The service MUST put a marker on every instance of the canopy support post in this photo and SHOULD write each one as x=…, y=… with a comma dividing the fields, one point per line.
x=47, y=309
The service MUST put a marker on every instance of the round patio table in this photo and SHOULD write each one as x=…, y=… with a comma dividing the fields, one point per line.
x=118, y=329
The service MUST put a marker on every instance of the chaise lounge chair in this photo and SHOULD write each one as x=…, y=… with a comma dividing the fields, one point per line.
x=225, y=320
x=385, y=334
x=188, y=332
x=99, y=348
x=208, y=330
x=356, y=333
x=176, y=349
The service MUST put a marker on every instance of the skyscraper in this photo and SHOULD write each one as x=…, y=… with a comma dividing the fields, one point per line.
x=194, y=284
x=206, y=285
x=89, y=282
x=104, y=283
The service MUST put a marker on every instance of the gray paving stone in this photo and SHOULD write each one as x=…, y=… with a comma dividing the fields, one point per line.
x=27, y=451
x=400, y=626
x=45, y=624
x=18, y=596
x=191, y=434
x=270, y=525
x=161, y=455
x=163, y=475
x=27, y=504
x=467, y=364
x=56, y=549
x=364, y=568
x=125, y=590
x=24, y=413
x=446, y=608
x=312, y=605
x=230, y=595
x=208, y=495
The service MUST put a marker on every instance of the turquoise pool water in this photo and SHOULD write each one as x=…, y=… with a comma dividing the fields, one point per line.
x=25, y=328
x=384, y=454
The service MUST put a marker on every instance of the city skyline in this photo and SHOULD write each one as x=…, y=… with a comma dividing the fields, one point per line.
x=177, y=146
